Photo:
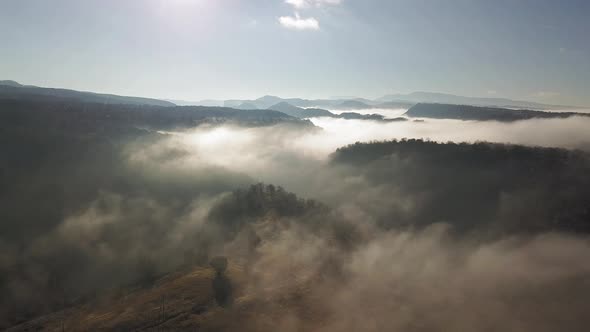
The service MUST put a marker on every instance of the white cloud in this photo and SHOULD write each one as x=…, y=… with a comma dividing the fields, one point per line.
x=312, y=3
x=297, y=3
x=298, y=23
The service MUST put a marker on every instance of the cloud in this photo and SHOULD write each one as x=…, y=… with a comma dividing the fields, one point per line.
x=423, y=281
x=312, y=3
x=298, y=23
x=124, y=234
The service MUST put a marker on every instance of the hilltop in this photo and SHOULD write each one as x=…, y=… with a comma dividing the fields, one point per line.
x=15, y=90
x=478, y=113
x=305, y=113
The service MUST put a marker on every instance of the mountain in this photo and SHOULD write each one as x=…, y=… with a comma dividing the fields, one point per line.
x=341, y=104
x=442, y=98
x=185, y=298
x=11, y=83
x=471, y=184
x=513, y=181
x=189, y=302
x=352, y=105
x=394, y=105
x=304, y=113
x=467, y=112
x=268, y=101
x=247, y=106
x=206, y=102
x=78, y=116
x=393, y=101
x=14, y=90
x=299, y=112
x=374, y=117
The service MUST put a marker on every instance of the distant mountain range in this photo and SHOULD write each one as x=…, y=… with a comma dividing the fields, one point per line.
x=304, y=113
x=206, y=102
x=442, y=98
x=246, y=106
x=392, y=101
x=268, y=101
x=299, y=112
x=15, y=90
x=480, y=113
x=332, y=104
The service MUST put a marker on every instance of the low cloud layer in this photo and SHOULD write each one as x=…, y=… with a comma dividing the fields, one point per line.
x=260, y=148
x=151, y=214
x=426, y=281
x=566, y=133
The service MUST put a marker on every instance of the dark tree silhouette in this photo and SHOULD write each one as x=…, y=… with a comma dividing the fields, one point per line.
x=222, y=286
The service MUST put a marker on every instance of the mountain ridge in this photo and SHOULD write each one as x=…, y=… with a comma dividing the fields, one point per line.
x=481, y=113
x=445, y=98
x=15, y=90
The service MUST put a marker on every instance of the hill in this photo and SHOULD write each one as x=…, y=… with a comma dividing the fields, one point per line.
x=296, y=263
x=299, y=112
x=394, y=105
x=11, y=83
x=395, y=101
x=14, y=90
x=339, y=104
x=78, y=116
x=352, y=105
x=184, y=301
x=305, y=113
x=442, y=98
x=111, y=213
x=374, y=117
x=246, y=106
x=482, y=187
x=61, y=158
x=142, y=238
x=206, y=102
x=466, y=112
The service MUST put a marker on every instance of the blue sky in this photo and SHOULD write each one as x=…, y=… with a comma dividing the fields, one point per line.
x=195, y=49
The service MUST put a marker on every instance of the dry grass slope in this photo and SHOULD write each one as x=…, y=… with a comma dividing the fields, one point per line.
x=184, y=301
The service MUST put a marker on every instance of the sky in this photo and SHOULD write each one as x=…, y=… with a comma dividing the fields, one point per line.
x=537, y=50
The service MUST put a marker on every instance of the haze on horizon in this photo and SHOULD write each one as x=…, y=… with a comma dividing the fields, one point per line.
x=203, y=49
